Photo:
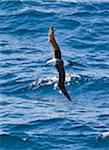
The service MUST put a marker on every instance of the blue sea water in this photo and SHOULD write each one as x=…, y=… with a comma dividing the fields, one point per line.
x=34, y=115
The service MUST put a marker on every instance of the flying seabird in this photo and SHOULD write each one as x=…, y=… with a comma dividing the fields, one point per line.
x=59, y=63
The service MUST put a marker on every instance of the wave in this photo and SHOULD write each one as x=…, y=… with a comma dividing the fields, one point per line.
x=32, y=11
x=42, y=84
x=76, y=1
x=16, y=87
x=16, y=142
x=70, y=78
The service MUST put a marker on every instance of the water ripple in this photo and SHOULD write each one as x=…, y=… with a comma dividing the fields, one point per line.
x=33, y=112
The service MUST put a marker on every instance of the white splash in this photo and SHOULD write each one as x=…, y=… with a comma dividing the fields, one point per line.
x=69, y=77
x=103, y=135
x=54, y=80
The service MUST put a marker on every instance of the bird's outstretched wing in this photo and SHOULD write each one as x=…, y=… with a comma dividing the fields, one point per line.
x=62, y=80
x=60, y=63
x=55, y=46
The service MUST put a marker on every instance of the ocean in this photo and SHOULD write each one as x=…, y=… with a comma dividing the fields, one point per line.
x=34, y=114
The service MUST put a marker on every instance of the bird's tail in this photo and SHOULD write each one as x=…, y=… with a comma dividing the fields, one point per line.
x=64, y=91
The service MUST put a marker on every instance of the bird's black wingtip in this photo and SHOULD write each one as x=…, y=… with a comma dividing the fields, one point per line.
x=64, y=91
x=69, y=98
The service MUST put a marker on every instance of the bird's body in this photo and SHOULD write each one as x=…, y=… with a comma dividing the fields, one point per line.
x=59, y=63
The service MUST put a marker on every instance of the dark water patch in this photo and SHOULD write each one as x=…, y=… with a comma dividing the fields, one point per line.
x=41, y=124
x=4, y=103
x=83, y=14
x=8, y=76
x=104, y=104
x=9, y=6
x=16, y=142
x=3, y=43
x=15, y=23
x=7, y=51
x=99, y=25
x=75, y=65
x=99, y=84
x=14, y=86
x=49, y=141
x=26, y=32
x=7, y=65
x=103, y=117
x=102, y=5
x=77, y=128
x=73, y=24
x=100, y=127
x=78, y=44
x=100, y=65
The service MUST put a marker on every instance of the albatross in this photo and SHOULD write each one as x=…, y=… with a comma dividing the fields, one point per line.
x=59, y=63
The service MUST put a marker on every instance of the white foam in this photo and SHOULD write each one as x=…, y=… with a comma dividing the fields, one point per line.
x=70, y=76
x=103, y=135
x=53, y=80
x=55, y=86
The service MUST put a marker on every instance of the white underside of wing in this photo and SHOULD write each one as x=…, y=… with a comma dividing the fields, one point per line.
x=52, y=61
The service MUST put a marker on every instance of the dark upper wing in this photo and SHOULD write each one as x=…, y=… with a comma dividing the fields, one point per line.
x=61, y=75
x=62, y=80
x=51, y=39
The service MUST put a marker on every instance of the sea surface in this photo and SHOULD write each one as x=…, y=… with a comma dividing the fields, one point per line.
x=34, y=114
